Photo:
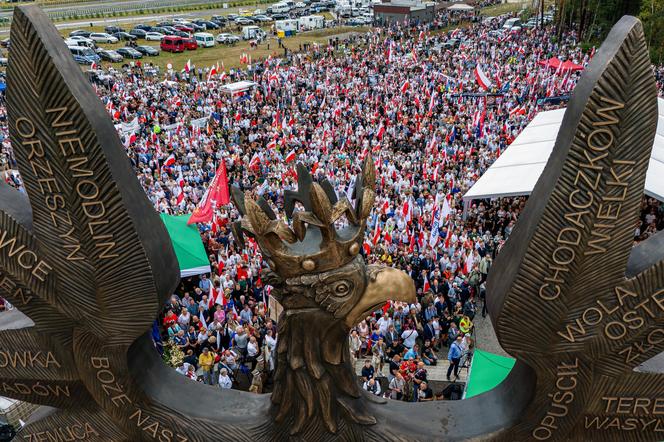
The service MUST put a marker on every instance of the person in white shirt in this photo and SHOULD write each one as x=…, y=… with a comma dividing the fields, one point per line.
x=409, y=337
x=183, y=369
x=372, y=386
x=225, y=380
x=383, y=323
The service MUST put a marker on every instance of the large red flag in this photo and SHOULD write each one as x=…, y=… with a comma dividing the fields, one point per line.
x=215, y=195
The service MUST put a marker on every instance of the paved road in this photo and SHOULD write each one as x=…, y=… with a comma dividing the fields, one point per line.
x=126, y=5
x=82, y=24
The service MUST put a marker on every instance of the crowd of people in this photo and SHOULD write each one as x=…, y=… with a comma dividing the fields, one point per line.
x=402, y=94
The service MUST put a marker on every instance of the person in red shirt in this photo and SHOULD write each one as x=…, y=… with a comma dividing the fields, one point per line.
x=169, y=318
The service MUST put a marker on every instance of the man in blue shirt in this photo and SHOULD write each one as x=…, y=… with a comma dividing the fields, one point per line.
x=454, y=356
x=204, y=284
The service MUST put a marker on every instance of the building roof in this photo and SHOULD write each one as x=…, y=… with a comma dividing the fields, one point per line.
x=517, y=170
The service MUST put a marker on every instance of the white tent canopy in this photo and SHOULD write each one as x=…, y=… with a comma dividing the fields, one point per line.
x=460, y=7
x=239, y=86
x=517, y=170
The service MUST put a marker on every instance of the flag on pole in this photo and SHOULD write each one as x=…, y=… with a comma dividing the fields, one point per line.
x=188, y=66
x=216, y=194
x=481, y=77
x=170, y=161
x=290, y=156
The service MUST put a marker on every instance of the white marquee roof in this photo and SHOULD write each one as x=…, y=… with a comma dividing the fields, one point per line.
x=516, y=171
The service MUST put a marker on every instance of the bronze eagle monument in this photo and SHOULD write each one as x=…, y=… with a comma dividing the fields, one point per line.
x=571, y=298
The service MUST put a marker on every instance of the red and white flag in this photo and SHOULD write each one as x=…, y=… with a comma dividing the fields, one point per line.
x=405, y=86
x=169, y=161
x=482, y=79
x=381, y=132
x=216, y=195
x=254, y=162
x=290, y=156
x=188, y=66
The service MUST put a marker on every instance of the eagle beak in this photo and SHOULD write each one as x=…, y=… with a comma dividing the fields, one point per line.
x=387, y=284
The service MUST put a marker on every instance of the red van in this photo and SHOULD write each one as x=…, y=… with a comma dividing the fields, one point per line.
x=190, y=44
x=172, y=43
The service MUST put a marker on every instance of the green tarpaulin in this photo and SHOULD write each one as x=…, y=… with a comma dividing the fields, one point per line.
x=187, y=244
x=486, y=372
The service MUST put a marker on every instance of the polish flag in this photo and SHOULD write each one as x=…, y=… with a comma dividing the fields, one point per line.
x=405, y=86
x=94, y=66
x=291, y=156
x=272, y=144
x=376, y=235
x=169, y=161
x=482, y=79
x=254, y=162
x=131, y=139
x=432, y=102
x=188, y=66
x=309, y=98
x=367, y=247
x=427, y=286
x=381, y=132
x=180, y=180
x=447, y=208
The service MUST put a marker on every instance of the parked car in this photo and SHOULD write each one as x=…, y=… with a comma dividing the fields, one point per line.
x=195, y=26
x=190, y=44
x=184, y=28
x=128, y=52
x=146, y=28
x=138, y=33
x=244, y=21
x=4, y=43
x=83, y=55
x=276, y=17
x=219, y=19
x=232, y=17
x=207, y=24
x=355, y=22
x=80, y=41
x=180, y=34
x=79, y=33
x=113, y=29
x=227, y=39
x=73, y=42
x=102, y=37
x=154, y=36
x=172, y=43
x=147, y=50
x=166, y=30
x=110, y=55
x=261, y=18
x=125, y=36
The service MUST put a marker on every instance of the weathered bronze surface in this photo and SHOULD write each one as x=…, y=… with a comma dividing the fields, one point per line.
x=88, y=240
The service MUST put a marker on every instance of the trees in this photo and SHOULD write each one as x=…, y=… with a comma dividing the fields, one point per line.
x=592, y=19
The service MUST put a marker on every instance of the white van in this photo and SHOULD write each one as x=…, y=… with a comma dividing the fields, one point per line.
x=512, y=24
x=204, y=39
x=252, y=32
x=286, y=25
x=280, y=8
x=310, y=22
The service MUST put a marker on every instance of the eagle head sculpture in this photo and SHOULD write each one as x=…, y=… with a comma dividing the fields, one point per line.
x=325, y=287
